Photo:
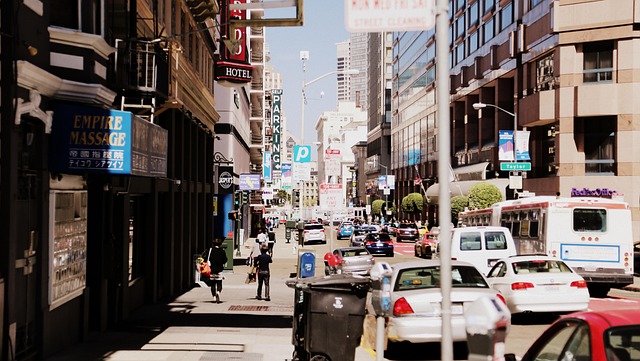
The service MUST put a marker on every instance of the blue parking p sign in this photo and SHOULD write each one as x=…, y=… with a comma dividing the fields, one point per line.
x=301, y=153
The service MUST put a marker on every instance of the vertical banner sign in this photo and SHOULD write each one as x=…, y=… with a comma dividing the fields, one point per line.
x=286, y=176
x=332, y=162
x=275, y=123
x=240, y=33
x=301, y=163
x=505, y=145
x=266, y=167
x=522, y=145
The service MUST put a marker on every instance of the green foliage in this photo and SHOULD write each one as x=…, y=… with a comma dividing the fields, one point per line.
x=483, y=195
x=282, y=194
x=412, y=203
x=376, y=207
x=458, y=204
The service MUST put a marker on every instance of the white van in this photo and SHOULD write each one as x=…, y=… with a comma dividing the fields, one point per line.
x=482, y=246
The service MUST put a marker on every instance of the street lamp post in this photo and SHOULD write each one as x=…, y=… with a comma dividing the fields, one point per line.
x=478, y=106
x=304, y=56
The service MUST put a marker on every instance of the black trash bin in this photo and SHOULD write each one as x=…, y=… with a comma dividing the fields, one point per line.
x=328, y=316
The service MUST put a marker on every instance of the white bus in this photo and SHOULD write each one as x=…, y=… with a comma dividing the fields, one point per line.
x=592, y=235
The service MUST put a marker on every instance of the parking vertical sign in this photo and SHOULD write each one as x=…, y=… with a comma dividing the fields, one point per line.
x=301, y=153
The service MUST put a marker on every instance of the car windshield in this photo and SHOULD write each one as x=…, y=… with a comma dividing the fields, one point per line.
x=540, y=266
x=429, y=277
x=313, y=226
x=361, y=232
x=408, y=225
x=347, y=224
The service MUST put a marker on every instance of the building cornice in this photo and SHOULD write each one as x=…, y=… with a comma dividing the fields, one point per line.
x=82, y=40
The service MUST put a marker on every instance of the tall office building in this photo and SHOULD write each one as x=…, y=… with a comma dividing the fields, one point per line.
x=343, y=62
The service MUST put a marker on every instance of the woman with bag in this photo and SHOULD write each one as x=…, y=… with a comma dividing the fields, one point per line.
x=217, y=257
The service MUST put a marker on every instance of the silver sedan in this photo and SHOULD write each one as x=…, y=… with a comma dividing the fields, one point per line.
x=416, y=300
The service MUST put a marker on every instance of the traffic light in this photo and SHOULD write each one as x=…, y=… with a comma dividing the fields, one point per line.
x=233, y=215
x=296, y=198
x=236, y=198
x=245, y=197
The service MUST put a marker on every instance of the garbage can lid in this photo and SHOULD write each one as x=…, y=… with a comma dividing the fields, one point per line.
x=337, y=282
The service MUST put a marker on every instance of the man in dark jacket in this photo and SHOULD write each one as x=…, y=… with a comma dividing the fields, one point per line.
x=262, y=265
x=217, y=259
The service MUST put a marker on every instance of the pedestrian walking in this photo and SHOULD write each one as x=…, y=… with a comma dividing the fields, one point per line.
x=255, y=252
x=271, y=241
x=262, y=236
x=262, y=265
x=217, y=259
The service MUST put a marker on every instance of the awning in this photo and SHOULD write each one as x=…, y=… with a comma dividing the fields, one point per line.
x=462, y=188
x=476, y=171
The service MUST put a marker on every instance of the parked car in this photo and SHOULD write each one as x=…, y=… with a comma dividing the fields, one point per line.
x=611, y=335
x=314, y=233
x=379, y=243
x=425, y=246
x=539, y=284
x=408, y=231
x=345, y=230
x=416, y=296
x=354, y=260
x=357, y=237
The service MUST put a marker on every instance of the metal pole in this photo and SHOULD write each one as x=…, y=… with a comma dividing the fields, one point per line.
x=379, y=338
x=304, y=85
x=444, y=207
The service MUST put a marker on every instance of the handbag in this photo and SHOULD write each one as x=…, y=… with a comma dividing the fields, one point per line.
x=205, y=269
x=249, y=261
x=251, y=276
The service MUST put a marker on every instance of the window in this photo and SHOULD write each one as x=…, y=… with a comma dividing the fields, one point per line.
x=566, y=339
x=587, y=219
x=598, y=62
x=597, y=139
x=534, y=3
x=460, y=4
x=473, y=42
x=488, y=5
x=488, y=30
x=470, y=241
x=474, y=14
x=495, y=240
x=82, y=15
x=544, y=74
x=460, y=26
x=506, y=16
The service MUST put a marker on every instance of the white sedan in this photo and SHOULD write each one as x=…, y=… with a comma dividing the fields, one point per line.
x=416, y=300
x=539, y=283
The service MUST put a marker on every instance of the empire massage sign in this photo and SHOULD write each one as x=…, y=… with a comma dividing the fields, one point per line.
x=93, y=140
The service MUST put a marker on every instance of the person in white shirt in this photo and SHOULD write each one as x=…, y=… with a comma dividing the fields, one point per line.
x=262, y=236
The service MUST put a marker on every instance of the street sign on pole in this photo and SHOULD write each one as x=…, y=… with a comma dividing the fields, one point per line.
x=516, y=166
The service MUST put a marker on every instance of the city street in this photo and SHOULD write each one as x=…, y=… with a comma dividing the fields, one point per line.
x=192, y=327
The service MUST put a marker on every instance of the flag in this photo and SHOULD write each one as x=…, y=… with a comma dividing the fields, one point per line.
x=417, y=180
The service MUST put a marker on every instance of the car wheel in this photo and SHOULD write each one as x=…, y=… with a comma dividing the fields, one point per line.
x=415, y=252
x=327, y=270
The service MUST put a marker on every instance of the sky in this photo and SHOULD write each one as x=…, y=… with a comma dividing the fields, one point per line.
x=323, y=28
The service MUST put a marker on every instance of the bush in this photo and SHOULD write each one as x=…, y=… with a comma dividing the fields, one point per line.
x=376, y=207
x=412, y=203
x=483, y=195
x=458, y=204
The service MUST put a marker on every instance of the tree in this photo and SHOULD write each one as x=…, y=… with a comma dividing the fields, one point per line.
x=483, y=195
x=412, y=203
x=376, y=207
x=458, y=204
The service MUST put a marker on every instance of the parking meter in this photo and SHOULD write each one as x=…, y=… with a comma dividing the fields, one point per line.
x=381, y=283
x=487, y=322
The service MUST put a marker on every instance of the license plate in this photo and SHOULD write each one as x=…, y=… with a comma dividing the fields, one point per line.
x=552, y=288
x=457, y=309
x=379, y=244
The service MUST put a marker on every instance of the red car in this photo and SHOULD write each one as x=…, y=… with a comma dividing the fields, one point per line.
x=611, y=335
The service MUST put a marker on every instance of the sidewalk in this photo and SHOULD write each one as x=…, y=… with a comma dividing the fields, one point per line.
x=193, y=327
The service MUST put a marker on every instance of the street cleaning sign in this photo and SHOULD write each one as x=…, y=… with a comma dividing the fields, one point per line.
x=363, y=16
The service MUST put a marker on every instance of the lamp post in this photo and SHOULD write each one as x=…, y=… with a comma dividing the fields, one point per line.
x=304, y=56
x=513, y=181
x=478, y=106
